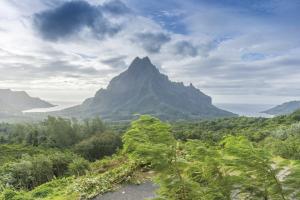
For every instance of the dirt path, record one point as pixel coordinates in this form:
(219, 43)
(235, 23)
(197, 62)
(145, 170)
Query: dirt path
(131, 192)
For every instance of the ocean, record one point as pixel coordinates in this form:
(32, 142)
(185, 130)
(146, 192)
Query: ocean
(249, 110)
(59, 105)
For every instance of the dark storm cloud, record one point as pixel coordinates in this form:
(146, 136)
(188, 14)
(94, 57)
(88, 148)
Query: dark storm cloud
(70, 18)
(115, 7)
(152, 42)
(185, 48)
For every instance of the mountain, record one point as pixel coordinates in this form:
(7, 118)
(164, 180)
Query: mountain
(285, 108)
(142, 89)
(18, 101)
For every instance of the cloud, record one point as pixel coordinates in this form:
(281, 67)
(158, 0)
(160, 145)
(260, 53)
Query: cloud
(253, 56)
(185, 48)
(115, 7)
(56, 67)
(151, 42)
(271, 76)
(169, 14)
(49, 69)
(70, 18)
(115, 62)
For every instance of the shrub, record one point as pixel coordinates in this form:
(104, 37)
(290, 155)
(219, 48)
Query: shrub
(8, 194)
(98, 146)
(78, 167)
(42, 192)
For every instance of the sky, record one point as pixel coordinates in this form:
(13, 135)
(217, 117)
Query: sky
(235, 51)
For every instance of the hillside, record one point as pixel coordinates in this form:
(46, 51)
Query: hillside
(18, 101)
(285, 108)
(142, 89)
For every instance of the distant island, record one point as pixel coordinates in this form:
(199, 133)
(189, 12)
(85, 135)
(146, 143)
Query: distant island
(14, 102)
(285, 108)
(142, 89)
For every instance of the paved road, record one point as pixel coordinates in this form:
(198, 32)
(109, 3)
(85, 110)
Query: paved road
(131, 192)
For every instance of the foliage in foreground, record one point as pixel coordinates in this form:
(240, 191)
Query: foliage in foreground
(103, 176)
(193, 170)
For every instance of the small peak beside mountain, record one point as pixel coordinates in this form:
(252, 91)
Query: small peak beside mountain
(17, 101)
(283, 109)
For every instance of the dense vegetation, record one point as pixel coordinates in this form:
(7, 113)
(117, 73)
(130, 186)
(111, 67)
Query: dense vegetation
(33, 154)
(91, 139)
(233, 158)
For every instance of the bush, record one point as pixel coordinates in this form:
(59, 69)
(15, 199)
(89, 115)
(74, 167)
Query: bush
(61, 162)
(78, 167)
(31, 171)
(42, 192)
(8, 194)
(98, 146)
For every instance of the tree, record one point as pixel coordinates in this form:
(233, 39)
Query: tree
(2, 139)
(150, 142)
(262, 177)
(32, 138)
(60, 131)
(60, 162)
(206, 167)
(99, 145)
(78, 167)
(94, 125)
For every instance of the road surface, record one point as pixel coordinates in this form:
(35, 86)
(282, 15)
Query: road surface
(131, 192)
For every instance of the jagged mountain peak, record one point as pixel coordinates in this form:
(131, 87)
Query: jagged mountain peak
(145, 60)
(142, 65)
(140, 71)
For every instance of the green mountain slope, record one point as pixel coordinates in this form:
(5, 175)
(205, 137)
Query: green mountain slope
(18, 101)
(142, 89)
(285, 108)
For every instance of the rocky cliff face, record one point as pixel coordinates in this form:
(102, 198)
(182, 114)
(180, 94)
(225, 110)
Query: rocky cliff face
(142, 89)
